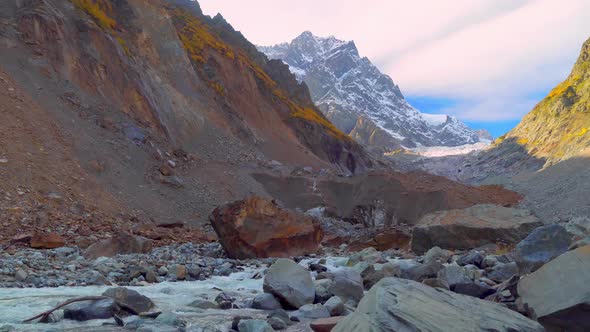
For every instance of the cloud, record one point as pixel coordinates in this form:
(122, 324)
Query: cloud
(490, 56)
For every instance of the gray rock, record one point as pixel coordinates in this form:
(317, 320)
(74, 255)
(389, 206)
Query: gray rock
(501, 272)
(276, 323)
(368, 255)
(131, 300)
(404, 305)
(472, 227)
(436, 283)
(266, 301)
(558, 294)
(203, 304)
(290, 283)
(347, 284)
(335, 306)
(473, 288)
(473, 257)
(312, 311)
(254, 325)
(454, 274)
(489, 261)
(171, 319)
(20, 275)
(541, 246)
(437, 254)
(371, 276)
(280, 314)
(83, 311)
(322, 293)
(422, 271)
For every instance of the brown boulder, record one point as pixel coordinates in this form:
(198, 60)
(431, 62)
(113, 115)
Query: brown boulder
(325, 324)
(47, 241)
(120, 244)
(257, 227)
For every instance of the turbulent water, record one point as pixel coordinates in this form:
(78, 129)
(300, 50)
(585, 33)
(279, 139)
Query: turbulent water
(17, 304)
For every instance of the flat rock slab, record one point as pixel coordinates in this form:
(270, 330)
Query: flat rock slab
(558, 293)
(472, 227)
(405, 305)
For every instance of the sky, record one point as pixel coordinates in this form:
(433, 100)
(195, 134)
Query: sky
(488, 62)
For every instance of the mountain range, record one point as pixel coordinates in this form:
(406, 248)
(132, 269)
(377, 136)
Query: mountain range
(362, 101)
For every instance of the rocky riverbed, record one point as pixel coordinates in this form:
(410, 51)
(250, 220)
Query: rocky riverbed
(310, 293)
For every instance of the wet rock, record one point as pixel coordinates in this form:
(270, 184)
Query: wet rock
(254, 325)
(203, 304)
(47, 241)
(53, 317)
(83, 311)
(489, 261)
(258, 227)
(501, 272)
(422, 271)
(404, 305)
(557, 294)
(311, 311)
(335, 306)
(347, 284)
(130, 300)
(317, 268)
(236, 321)
(541, 246)
(322, 292)
(178, 270)
(171, 319)
(151, 277)
(290, 283)
(266, 301)
(122, 243)
(325, 324)
(472, 227)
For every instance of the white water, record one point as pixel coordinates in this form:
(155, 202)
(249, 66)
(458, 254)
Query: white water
(17, 304)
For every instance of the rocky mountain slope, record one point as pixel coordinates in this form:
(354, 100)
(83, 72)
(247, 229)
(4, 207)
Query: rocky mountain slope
(362, 101)
(144, 116)
(558, 128)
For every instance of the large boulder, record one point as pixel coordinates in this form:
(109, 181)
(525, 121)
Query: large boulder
(257, 227)
(558, 293)
(404, 305)
(472, 227)
(290, 283)
(541, 246)
(130, 300)
(82, 311)
(347, 284)
(122, 243)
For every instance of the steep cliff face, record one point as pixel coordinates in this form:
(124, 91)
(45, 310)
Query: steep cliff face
(558, 127)
(175, 71)
(352, 92)
(164, 110)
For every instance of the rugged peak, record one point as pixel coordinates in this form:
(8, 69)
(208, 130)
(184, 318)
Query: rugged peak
(346, 86)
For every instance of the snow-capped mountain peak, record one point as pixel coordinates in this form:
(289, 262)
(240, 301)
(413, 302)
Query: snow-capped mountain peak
(362, 101)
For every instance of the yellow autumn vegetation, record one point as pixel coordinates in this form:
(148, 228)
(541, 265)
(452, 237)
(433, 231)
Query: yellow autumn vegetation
(197, 37)
(98, 10)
